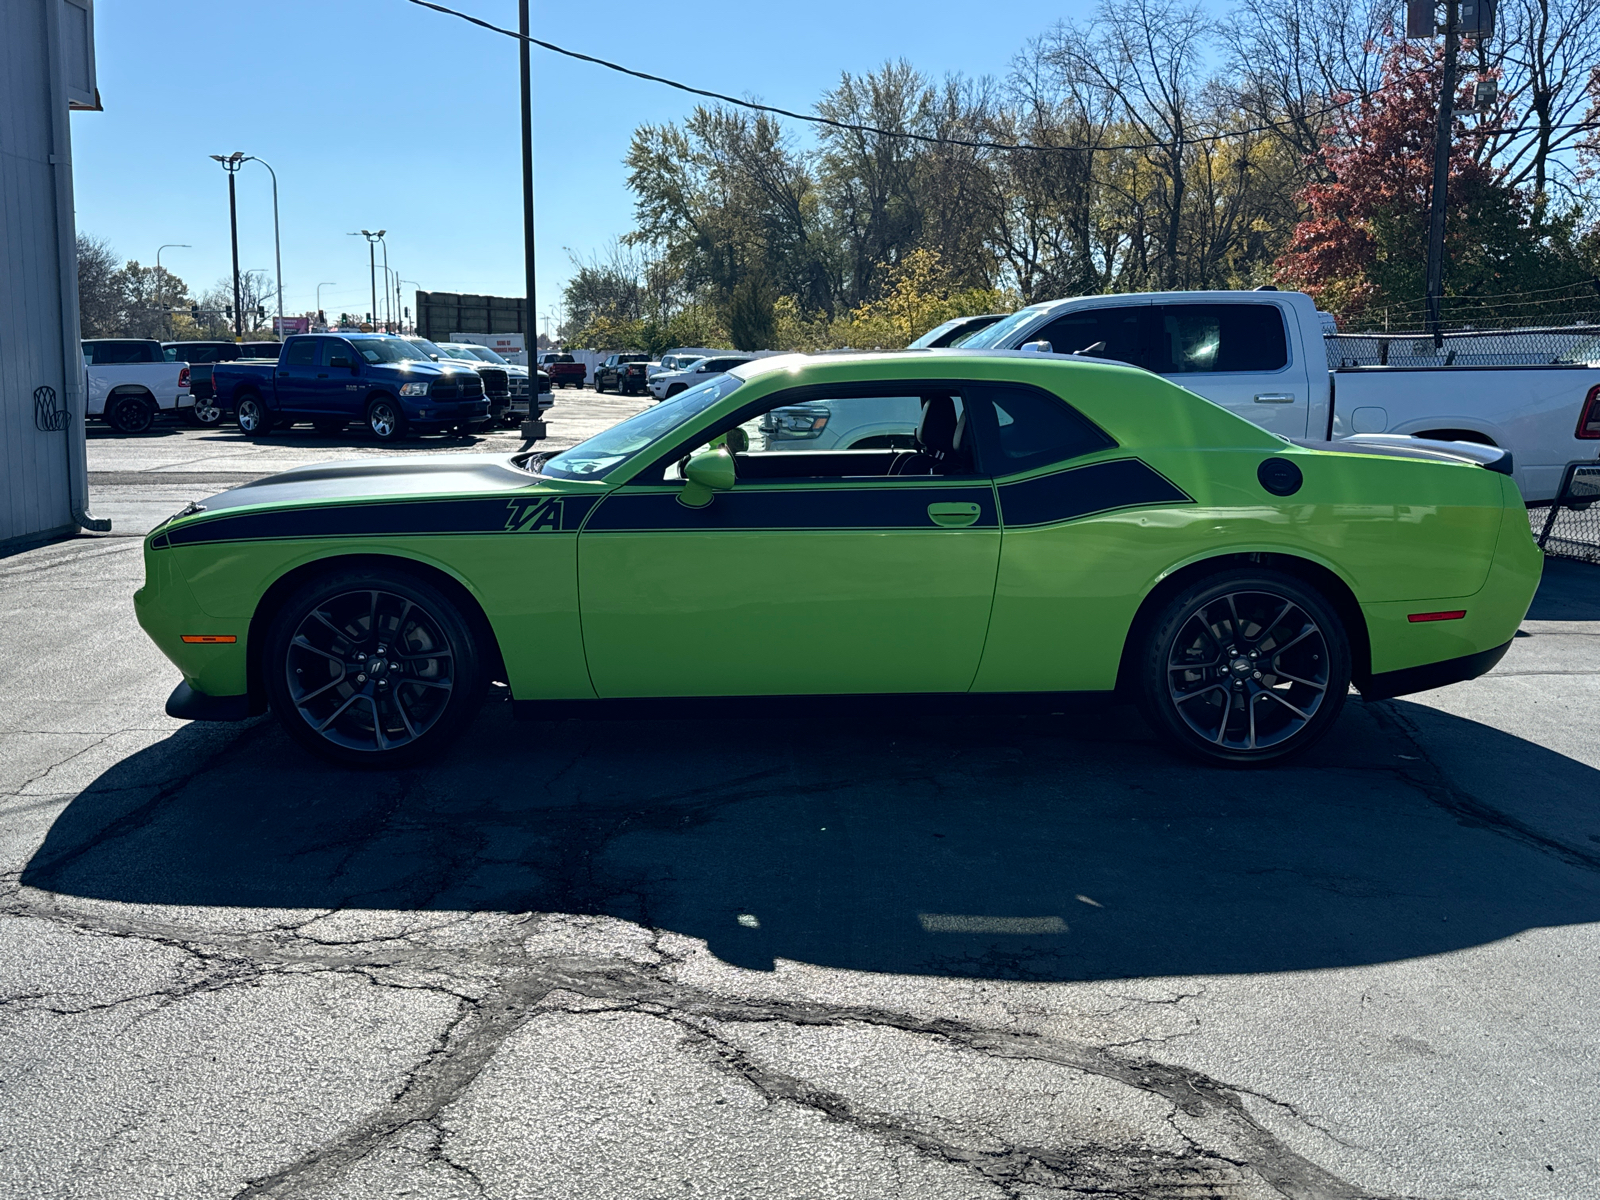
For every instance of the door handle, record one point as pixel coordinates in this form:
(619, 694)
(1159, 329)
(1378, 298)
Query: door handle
(1274, 397)
(953, 516)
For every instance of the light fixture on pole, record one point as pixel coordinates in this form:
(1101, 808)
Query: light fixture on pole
(231, 164)
(166, 317)
(277, 248)
(320, 286)
(372, 264)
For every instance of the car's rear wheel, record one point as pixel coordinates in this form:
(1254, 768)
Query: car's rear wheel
(373, 667)
(385, 420)
(1244, 667)
(130, 414)
(252, 416)
(205, 413)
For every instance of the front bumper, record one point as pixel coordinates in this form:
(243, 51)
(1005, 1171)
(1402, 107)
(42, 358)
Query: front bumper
(447, 412)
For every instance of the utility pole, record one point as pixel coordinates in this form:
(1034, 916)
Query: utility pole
(532, 428)
(231, 164)
(1439, 198)
(372, 265)
(277, 245)
(166, 303)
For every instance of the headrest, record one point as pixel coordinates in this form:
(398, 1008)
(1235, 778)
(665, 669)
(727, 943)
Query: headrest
(936, 432)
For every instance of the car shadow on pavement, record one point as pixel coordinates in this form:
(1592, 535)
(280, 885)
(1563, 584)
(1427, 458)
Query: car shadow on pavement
(1050, 848)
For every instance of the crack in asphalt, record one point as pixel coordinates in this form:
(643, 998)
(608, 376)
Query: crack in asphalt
(524, 986)
(1428, 776)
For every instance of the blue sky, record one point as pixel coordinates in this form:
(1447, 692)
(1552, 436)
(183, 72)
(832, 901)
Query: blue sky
(379, 114)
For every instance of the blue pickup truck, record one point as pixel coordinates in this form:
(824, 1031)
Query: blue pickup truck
(384, 383)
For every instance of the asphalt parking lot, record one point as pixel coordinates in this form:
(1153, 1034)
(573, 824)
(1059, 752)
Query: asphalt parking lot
(1001, 957)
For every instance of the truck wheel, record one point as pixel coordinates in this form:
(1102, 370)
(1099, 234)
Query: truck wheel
(130, 414)
(675, 389)
(252, 416)
(1245, 667)
(599, 385)
(385, 420)
(373, 667)
(205, 414)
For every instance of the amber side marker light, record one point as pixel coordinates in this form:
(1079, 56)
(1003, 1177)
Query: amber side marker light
(1454, 614)
(209, 639)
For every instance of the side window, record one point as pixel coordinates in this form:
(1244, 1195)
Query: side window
(333, 349)
(1121, 329)
(301, 353)
(1031, 428)
(1196, 338)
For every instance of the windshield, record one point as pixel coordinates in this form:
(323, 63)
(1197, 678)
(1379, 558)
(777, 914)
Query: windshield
(484, 354)
(598, 455)
(389, 349)
(427, 347)
(934, 334)
(997, 335)
(457, 352)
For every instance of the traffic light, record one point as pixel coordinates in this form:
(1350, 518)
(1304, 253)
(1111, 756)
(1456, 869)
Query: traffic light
(261, 312)
(228, 309)
(194, 313)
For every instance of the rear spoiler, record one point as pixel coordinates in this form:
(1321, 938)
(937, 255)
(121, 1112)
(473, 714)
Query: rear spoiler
(1398, 445)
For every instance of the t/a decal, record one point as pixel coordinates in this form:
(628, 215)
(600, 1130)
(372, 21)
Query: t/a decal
(533, 516)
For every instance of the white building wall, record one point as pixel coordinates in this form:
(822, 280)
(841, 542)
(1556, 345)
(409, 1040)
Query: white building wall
(43, 482)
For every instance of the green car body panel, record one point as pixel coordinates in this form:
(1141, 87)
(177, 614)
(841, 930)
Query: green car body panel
(603, 589)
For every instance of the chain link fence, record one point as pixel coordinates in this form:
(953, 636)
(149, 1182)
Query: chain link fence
(1566, 345)
(1569, 526)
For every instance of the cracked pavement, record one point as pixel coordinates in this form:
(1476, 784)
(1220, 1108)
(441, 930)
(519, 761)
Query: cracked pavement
(1009, 958)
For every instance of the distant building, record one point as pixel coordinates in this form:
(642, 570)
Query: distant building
(47, 52)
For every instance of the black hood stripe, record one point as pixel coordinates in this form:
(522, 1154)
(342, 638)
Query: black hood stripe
(404, 518)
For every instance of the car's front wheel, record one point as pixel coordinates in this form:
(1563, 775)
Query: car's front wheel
(599, 384)
(252, 415)
(373, 667)
(385, 420)
(1245, 667)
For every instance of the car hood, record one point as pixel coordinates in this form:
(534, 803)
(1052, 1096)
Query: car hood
(369, 478)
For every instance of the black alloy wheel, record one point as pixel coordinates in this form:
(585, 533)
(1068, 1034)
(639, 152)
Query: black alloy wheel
(253, 419)
(131, 414)
(1246, 667)
(206, 414)
(385, 420)
(373, 668)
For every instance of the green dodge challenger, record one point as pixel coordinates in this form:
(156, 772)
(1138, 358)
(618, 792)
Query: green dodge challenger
(1006, 528)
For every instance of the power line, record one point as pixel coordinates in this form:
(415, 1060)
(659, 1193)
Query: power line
(934, 139)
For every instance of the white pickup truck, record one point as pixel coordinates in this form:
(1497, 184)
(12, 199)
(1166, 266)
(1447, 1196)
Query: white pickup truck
(130, 382)
(1261, 354)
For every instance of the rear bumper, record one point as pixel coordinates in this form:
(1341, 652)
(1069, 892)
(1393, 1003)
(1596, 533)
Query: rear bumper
(1432, 675)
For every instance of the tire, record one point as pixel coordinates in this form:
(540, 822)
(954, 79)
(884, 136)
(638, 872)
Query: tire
(599, 385)
(251, 414)
(1245, 667)
(205, 414)
(320, 677)
(385, 421)
(130, 414)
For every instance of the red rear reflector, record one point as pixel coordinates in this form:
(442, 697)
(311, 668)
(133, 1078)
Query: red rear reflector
(1455, 614)
(1589, 418)
(212, 639)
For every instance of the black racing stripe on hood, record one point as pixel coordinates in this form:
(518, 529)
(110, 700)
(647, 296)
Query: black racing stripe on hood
(406, 518)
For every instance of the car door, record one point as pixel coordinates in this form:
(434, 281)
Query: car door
(1236, 354)
(815, 574)
(300, 391)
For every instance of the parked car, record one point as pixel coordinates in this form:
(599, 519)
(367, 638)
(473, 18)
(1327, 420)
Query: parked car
(496, 377)
(563, 369)
(681, 359)
(517, 409)
(1155, 547)
(625, 372)
(201, 357)
(954, 332)
(382, 381)
(669, 383)
(130, 383)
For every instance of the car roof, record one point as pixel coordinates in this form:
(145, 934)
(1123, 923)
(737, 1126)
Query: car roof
(924, 362)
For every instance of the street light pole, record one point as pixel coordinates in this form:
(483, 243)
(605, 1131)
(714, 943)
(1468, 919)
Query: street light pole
(320, 286)
(388, 323)
(372, 264)
(1438, 203)
(532, 428)
(231, 164)
(166, 317)
(277, 247)
(417, 285)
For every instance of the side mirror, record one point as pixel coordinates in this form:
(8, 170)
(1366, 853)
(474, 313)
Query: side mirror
(1038, 347)
(705, 474)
